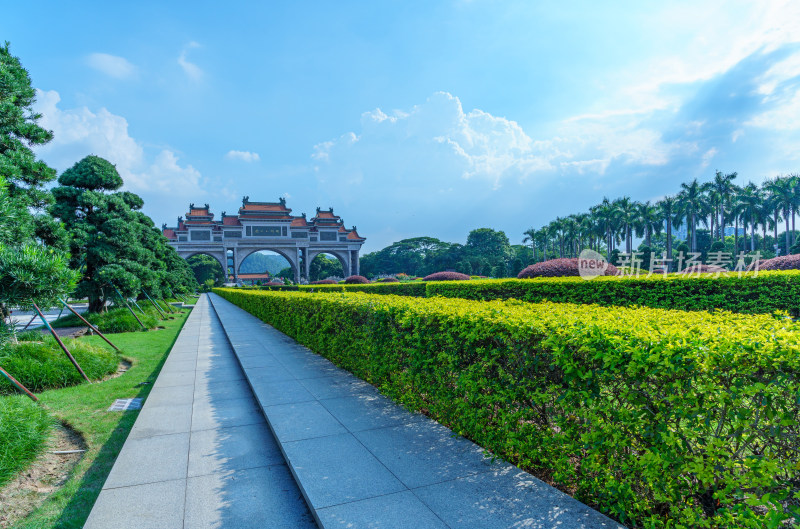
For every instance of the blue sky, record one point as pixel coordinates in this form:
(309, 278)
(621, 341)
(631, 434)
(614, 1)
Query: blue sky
(415, 118)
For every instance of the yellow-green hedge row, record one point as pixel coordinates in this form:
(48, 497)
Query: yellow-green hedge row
(762, 293)
(659, 418)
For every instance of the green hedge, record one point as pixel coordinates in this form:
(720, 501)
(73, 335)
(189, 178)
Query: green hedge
(659, 418)
(411, 288)
(763, 293)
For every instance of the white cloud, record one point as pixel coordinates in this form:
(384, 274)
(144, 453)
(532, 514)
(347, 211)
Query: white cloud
(111, 65)
(244, 156)
(79, 132)
(191, 69)
(476, 144)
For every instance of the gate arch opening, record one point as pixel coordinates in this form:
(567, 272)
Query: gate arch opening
(326, 265)
(263, 266)
(207, 266)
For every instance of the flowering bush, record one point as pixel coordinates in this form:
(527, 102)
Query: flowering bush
(559, 268)
(785, 262)
(323, 282)
(446, 276)
(356, 280)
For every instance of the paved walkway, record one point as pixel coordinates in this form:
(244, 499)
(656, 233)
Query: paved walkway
(200, 454)
(363, 462)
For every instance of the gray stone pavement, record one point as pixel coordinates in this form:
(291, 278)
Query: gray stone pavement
(363, 462)
(200, 454)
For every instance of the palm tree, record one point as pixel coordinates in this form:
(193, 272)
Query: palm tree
(530, 236)
(667, 208)
(692, 205)
(626, 211)
(749, 202)
(782, 196)
(648, 220)
(724, 189)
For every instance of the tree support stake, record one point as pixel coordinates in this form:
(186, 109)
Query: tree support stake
(163, 316)
(125, 304)
(64, 347)
(95, 329)
(18, 384)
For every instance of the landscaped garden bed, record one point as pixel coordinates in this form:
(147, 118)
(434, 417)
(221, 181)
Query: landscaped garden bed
(26, 427)
(659, 418)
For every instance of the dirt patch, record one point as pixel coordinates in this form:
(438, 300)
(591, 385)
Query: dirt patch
(67, 332)
(30, 488)
(124, 365)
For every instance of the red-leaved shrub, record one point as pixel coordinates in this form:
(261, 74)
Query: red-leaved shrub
(784, 262)
(323, 282)
(356, 280)
(273, 284)
(564, 267)
(446, 276)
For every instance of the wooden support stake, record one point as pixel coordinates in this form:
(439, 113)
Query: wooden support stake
(163, 316)
(18, 384)
(84, 320)
(63, 347)
(125, 304)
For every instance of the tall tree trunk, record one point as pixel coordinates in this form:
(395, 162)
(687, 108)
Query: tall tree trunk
(694, 232)
(736, 235)
(788, 243)
(669, 238)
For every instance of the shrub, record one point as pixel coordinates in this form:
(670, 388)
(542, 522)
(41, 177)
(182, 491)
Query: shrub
(388, 280)
(565, 267)
(446, 276)
(784, 262)
(703, 269)
(115, 320)
(761, 293)
(43, 365)
(406, 288)
(660, 418)
(323, 282)
(24, 428)
(356, 280)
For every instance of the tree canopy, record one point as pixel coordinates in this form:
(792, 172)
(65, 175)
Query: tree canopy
(114, 246)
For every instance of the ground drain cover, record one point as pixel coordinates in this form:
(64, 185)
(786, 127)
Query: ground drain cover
(126, 404)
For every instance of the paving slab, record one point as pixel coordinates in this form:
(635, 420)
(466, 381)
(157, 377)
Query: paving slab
(200, 454)
(361, 460)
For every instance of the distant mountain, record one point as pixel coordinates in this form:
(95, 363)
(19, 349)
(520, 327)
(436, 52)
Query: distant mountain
(258, 263)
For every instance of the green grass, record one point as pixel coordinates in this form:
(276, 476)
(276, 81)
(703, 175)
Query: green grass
(84, 409)
(41, 365)
(24, 428)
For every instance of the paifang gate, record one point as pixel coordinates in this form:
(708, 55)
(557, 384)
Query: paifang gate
(265, 226)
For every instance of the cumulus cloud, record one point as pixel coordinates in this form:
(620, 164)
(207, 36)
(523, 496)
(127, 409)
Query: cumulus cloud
(111, 65)
(473, 144)
(190, 69)
(244, 156)
(78, 132)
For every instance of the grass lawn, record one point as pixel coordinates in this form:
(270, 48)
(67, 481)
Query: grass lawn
(84, 409)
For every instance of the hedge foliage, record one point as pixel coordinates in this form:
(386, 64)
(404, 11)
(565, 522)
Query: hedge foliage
(761, 293)
(659, 418)
(409, 288)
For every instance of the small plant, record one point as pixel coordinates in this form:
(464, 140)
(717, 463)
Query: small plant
(446, 276)
(565, 267)
(356, 280)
